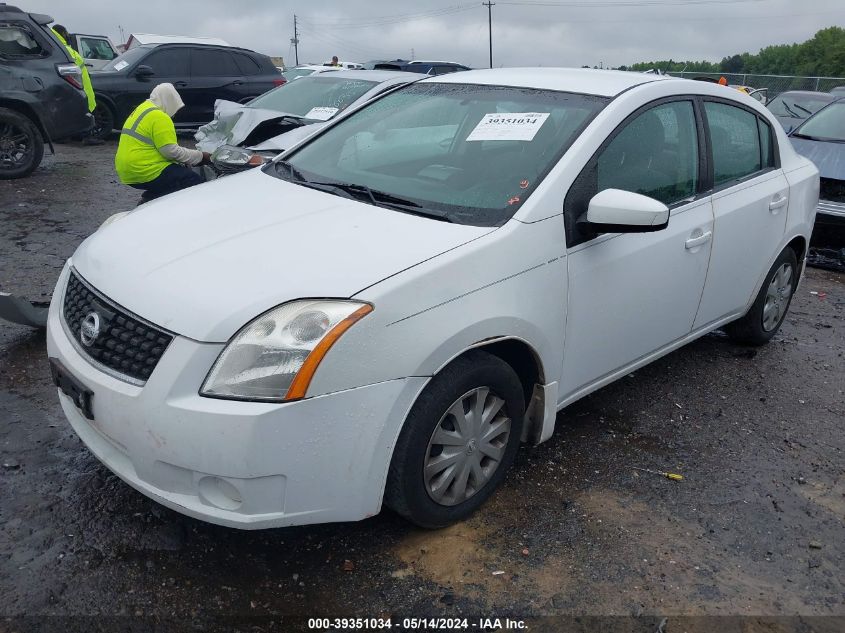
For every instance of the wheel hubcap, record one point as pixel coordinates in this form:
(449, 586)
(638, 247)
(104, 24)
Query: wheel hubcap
(777, 297)
(14, 146)
(466, 447)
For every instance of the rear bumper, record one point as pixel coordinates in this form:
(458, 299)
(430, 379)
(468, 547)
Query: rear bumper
(831, 209)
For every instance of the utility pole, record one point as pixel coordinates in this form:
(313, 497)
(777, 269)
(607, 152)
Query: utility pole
(295, 40)
(489, 6)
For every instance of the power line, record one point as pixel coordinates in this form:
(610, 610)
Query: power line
(603, 4)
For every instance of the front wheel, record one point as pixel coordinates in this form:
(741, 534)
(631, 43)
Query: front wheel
(767, 313)
(21, 145)
(458, 442)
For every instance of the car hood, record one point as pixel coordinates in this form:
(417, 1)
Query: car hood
(789, 123)
(233, 123)
(204, 261)
(828, 156)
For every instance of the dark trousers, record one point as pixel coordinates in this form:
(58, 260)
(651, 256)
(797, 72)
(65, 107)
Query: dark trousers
(173, 178)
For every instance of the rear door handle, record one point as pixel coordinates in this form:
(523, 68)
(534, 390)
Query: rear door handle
(699, 240)
(777, 203)
(180, 84)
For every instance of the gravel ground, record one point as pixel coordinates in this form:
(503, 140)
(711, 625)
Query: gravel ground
(755, 528)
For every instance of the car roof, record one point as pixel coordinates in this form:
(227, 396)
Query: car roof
(605, 83)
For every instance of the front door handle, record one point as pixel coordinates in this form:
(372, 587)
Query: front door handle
(180, 84)
(777, 203)
(698, 240)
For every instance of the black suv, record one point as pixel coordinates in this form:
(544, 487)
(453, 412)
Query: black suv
(200, 72)
(41, 95)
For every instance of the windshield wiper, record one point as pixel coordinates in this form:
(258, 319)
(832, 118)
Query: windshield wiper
(353, 191)
(792, 112)
(802, 108)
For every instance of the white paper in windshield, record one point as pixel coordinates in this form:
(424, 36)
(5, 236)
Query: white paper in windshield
(121, 65)
(508, 126)
(322, 113)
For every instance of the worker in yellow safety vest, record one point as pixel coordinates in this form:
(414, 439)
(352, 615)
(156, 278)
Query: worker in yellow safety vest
(61, 32)
(148, 155)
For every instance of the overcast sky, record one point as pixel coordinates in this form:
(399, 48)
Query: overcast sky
(528, 33)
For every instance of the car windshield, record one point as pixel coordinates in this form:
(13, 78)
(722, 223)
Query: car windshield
(316, 97)
(469, 154)
(798, 106)
(127, 59)
(826, 125)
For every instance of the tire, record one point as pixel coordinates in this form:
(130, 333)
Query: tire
(103, 121)
(437, 499)
(21, 145)
(769, 310)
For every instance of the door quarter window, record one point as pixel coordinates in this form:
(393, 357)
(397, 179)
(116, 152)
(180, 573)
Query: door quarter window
(735, 138)
(655, 153)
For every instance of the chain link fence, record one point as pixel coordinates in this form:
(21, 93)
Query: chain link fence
(775, 84)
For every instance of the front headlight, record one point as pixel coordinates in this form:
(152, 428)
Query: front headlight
(274, 357)
(229, 156)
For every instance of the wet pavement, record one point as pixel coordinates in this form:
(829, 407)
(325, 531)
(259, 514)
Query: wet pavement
(757, 527)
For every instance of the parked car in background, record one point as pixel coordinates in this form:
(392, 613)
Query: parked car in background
(424, 67)
(758, 94)
(41, 95)
(839, 91)
(141, 39)
(346, 65)
(97, 50)
(821, 138)
(244, 136)
(793, 107)
(201, 73)
(383, 314)
(306, 69)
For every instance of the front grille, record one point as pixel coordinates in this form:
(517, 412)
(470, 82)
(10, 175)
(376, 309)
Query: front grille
(832, 190)
(125, 344)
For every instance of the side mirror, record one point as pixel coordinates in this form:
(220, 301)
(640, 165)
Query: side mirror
(142, 72)
(617, 211)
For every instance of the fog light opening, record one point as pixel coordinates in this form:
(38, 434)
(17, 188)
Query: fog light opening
(219, 493)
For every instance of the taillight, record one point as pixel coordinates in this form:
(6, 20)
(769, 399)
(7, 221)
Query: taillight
(280, 82)
(71, 73)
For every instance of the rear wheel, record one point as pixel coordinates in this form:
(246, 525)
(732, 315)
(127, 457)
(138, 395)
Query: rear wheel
(767, 313)
(458, 442)
(21, 145)
(103, 121)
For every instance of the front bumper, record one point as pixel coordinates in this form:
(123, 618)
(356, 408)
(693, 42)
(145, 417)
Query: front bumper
(239, 464)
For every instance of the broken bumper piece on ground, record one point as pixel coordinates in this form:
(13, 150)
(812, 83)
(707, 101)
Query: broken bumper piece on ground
(19, 310)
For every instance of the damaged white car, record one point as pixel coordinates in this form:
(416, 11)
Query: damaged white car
(383, 314)
(243, 136)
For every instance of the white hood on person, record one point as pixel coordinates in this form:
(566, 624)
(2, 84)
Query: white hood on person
(166, 98)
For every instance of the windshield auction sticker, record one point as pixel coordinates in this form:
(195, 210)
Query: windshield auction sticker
(121, 65)
(321, 113)
(508, 126)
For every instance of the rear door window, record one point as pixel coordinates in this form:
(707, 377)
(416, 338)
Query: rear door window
(735, 138)
(212, 63)
(18, 42)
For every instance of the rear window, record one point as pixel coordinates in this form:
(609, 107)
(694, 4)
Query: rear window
(212, 63)
(18, 42)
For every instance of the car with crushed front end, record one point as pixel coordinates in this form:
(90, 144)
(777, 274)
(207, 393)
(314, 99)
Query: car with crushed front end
(821, 139)
(384, 313)
(243, 136)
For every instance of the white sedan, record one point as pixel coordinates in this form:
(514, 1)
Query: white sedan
(384, 313)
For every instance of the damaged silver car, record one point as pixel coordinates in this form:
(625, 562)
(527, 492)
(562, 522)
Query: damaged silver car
(243, 136)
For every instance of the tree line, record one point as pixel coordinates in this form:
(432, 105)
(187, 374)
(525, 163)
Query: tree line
(822, 55)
